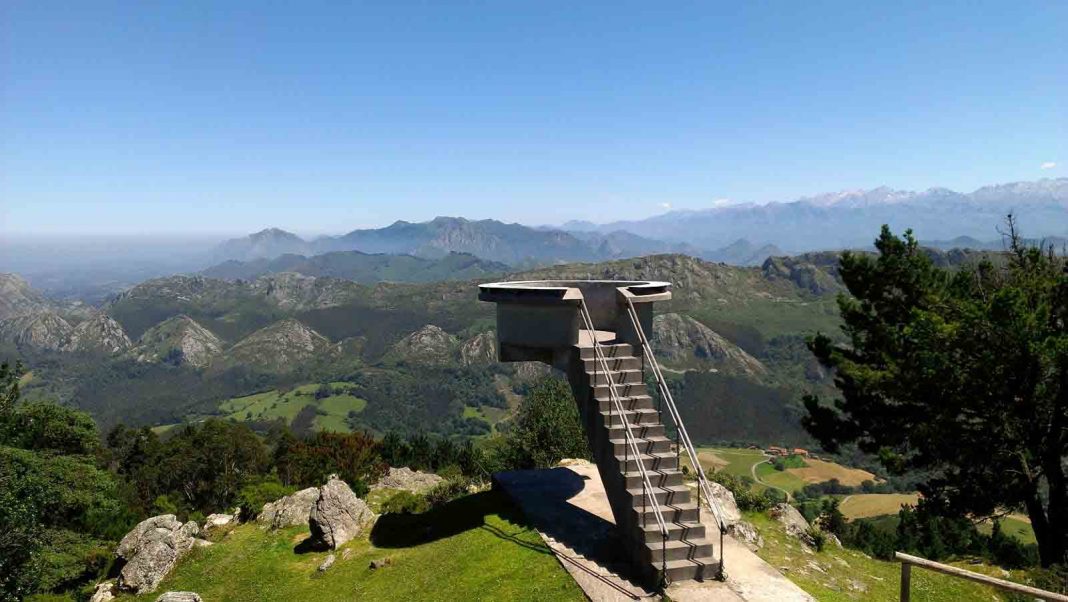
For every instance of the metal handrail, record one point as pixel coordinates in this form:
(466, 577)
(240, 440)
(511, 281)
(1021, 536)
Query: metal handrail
(631, 444)
(684, 437)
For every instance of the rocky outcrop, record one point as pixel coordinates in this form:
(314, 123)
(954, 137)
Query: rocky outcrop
(290, 511)
(804, 273)
(44, 330)
(18, 299)
(408, 480)
(99, 334)
(280, 347)
(796, 525)
(180, 341)
(338, 515)
(682, 340)
(179, 597)
(428, 345)
(290, 291)
(480, 349)
(738, 528)
(151, 550)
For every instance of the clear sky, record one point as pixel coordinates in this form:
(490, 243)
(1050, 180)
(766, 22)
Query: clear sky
(323, 117)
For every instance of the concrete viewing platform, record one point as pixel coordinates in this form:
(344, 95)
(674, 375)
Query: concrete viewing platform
(570, 509)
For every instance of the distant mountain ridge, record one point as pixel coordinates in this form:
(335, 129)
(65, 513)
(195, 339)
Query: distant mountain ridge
(363, 267)
(849, 219)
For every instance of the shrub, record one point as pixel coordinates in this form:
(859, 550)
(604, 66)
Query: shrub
(445, 492)
(405, 502)
(252, 497)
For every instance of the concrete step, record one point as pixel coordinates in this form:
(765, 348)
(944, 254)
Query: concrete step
(630, 402)
(651, 531)
(699, 550)
(641, 431)
(620, 377)
(601, 391)
(656, 479)
(646, 445)
(627, 362)
(639, 416)
(677, 494)
(659, 461)
(686, 570)
(609, 350)
(675, 513)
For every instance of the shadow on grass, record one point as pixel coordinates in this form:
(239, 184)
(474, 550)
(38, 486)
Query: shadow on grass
(452, 518)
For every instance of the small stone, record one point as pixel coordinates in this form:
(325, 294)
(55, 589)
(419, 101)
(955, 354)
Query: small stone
(329, 562)
(346, 554)
(214, 521)
(104, 592)
(202, 543)
(179, 597)
(380, 563)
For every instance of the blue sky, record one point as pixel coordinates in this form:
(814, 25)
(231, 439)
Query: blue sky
(226, 117)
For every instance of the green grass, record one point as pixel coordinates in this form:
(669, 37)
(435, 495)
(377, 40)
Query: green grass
(273, 404)
(739, 461)
(840, 574)
(782, 479)
(473, 548)
(1012, 526)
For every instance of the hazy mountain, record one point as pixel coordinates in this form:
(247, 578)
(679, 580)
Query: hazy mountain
(268, 244)
(363, 267)
(99, 334)
(489, 240)
(852, 219)
(743, 252)
(43, 330)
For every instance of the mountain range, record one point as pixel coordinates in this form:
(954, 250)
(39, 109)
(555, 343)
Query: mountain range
(851, 219)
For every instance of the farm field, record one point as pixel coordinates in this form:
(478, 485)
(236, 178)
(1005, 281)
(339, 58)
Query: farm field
(1013, 525)
(818, 471)
(867, 505)
(274, 404)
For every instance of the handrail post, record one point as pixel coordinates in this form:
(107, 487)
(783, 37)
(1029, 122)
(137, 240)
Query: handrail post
(906, 576)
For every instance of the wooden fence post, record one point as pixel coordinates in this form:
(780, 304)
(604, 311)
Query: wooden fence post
(906, 574)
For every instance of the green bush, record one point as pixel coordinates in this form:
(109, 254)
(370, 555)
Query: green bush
(252, 497)
(405, 502)
(742, 488)
(445, 492)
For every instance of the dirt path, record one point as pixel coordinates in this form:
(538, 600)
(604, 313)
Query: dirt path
(752, 469)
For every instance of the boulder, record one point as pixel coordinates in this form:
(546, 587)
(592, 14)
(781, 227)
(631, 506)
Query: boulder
(380, 563)
(290, 511)
(338, 515)
(407, 479)
(796, 525)
(214, 521)
(731, 513)
(104, 592)
(179, 597)
(151, 550)
(746, 533)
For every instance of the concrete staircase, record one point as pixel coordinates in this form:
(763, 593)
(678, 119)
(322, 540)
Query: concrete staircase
(687, 553)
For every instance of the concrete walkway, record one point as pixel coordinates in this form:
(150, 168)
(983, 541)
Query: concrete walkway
(569, 508)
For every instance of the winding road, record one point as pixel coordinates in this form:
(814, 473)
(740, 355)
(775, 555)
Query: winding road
(752, 469)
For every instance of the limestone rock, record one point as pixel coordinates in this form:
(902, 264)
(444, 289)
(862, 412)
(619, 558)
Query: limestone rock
(179, 340)
(731, 513)
(290, 511)
(746, 533)
(338, 515)
(214, 521)
(280, 347)
(480, 349)
(179, 597)
(380, 563)
(44, 330)
(99, 334)
(682, 340)
(327, 563)
(796, 525)
(151, 550)
(430, 345)
(104, 592)
(408, 480)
